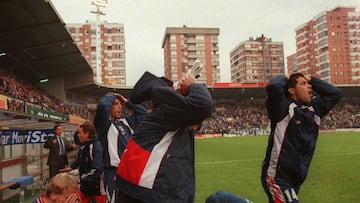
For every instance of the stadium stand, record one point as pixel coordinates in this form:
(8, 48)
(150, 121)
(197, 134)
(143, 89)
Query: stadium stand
(249, 118)
(21, 93)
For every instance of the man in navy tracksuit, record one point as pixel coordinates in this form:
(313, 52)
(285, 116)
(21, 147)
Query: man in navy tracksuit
(158, 163)
(114, 131)
(295, 115)
(90, 163)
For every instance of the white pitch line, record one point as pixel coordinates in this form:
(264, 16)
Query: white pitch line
(248, 160)
(338, 154)
(226, 162)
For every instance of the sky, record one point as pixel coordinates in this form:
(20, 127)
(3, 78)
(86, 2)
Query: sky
(145, 22)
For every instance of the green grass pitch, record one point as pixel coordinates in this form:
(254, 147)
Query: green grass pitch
(234, 164)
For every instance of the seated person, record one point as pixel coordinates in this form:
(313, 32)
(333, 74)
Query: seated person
(62, 188)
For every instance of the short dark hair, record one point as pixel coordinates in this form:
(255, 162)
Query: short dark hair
(89, 128)
(291, 83)
(57, 125)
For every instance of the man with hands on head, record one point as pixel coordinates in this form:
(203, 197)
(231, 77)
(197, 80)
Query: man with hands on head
(295, 114)
(113, 131)
(158, 163)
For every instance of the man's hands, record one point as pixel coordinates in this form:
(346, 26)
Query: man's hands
(73, 198)
(72, 146)
(185, 83)
(123, 100)
(67, 169)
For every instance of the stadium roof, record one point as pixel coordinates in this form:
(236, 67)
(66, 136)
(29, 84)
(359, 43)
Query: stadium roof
(219, 94)
(35, 41)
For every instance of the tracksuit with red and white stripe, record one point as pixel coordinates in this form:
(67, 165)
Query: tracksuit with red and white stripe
(294, 132)
(158, 163)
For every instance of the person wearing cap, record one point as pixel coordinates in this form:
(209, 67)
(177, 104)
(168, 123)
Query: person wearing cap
(158, 162)
(113, 131)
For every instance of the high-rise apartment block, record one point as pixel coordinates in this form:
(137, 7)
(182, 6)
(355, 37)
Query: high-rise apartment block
(291, 63)
(328, 46)
(103, 45)
(183, 45)
(256, 60)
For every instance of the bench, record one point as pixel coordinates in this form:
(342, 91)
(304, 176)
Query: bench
(38, 182)
(9, 185)
(22, 181)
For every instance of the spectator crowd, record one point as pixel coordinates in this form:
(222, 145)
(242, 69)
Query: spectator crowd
(247, 117)
(22, 92)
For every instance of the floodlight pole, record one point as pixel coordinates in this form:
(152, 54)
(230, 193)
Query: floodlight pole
(99, 5)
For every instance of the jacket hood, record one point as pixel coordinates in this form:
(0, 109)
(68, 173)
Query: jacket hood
(143, 87)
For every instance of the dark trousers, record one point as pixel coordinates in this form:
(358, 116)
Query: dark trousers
(54, 167)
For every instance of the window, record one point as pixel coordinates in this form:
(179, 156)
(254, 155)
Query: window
(199, 37)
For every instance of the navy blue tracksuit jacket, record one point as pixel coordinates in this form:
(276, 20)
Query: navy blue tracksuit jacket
(294, 131)
(158, 163)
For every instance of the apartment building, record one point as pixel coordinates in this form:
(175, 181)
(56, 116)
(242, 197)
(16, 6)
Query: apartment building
(183, 45)
(328, 46)
(103, 45)
(291, 64)
(256, 60)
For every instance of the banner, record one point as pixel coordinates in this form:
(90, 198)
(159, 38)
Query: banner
(207, 135)
(12, 137)
(3, 102)
(43, 113)
(76, 119)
